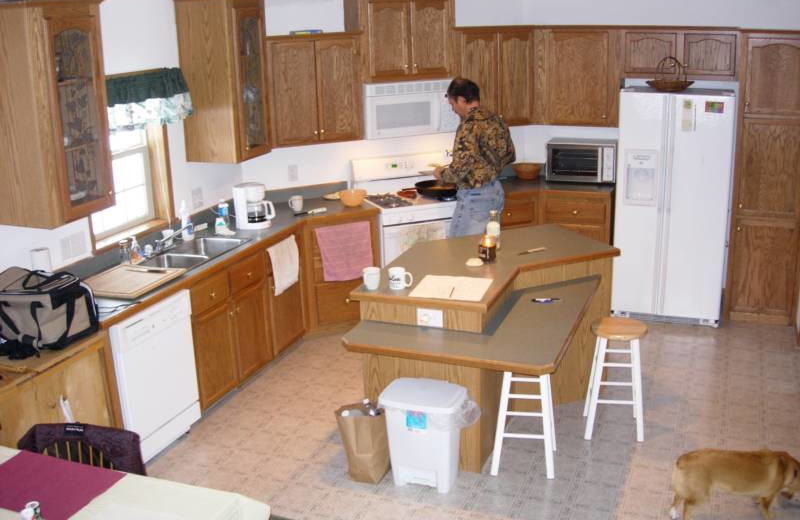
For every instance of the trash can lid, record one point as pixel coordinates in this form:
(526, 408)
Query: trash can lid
(423, 395)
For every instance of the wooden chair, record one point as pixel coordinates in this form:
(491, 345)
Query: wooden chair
(100, 446)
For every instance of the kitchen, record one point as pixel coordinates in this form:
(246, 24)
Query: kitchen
(154, 46)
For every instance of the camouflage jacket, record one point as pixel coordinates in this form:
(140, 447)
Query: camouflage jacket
(481, 149)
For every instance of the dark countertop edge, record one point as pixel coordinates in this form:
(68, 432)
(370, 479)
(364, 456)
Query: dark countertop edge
(516, 185)
(259, 241)
(471, 361)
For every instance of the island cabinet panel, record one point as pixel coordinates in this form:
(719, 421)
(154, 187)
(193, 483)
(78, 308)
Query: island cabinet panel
(585, 212)
(84, 378)
(55, 153)
(328, 302)
(772, 75)
(500, 61)
(582, 77)
(220, 43)
(315, 90)
(402, 39)
(230, 323)
(706, 54)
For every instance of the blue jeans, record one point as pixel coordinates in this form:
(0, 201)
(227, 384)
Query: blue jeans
(472, 208)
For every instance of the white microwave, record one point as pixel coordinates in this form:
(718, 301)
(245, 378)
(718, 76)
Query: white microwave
(407, 108)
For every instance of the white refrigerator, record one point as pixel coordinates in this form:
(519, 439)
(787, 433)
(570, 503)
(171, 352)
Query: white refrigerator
(674, 172)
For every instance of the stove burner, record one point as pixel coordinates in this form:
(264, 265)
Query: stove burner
(388, 200)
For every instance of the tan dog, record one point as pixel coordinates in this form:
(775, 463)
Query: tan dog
(760, 474)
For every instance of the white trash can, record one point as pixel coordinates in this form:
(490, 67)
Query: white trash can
(424, 418)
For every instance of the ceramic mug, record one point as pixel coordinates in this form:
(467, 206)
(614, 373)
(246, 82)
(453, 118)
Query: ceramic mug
(296, 203)
(372, 277)
(399, 278)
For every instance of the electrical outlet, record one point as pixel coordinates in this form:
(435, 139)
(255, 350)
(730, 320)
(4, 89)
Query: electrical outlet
(430, 318)
(197, 198)
(293, 173)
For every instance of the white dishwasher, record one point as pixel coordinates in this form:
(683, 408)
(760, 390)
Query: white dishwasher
(156, 377)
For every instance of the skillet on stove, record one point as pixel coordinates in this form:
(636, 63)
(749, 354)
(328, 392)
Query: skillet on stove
(435, 190)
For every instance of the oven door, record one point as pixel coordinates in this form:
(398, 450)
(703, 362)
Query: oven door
(397, 239)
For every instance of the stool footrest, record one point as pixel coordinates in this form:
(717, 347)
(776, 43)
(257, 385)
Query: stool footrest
(616, 383)
(613, 401)
(525, 379)
(525, 414)
(618, 365)
(524, 435)
(525, 396)
(618, 350)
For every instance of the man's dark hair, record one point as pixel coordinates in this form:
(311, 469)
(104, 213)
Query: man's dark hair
(465, 88)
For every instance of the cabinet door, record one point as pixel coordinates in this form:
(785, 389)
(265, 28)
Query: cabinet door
(215, 354)
(479, 62)
(516, 77)
(763, 267)
(645, 50)
(18, 413)
(577, 77)
(338, 89)
(80, 121)
(389, 39)
(710, 54)
(250, 324)
(251, 92)
(587, 214)
(769, 175)
(429, 37)
(518, 212)
(286, 312)
(773, 73)
(334, 304)
(293, 93)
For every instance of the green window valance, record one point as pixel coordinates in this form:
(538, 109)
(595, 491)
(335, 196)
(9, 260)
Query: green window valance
(157, 96)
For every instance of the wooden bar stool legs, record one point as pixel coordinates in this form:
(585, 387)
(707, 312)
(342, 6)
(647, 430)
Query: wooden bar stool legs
(548, 428)
(623, 329)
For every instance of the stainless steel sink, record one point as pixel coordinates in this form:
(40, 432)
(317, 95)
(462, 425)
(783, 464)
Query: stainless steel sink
(193, 253)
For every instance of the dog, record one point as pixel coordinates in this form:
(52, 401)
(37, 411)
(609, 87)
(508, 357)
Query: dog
(760, 474)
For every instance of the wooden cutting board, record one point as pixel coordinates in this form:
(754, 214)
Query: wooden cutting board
(128, 282)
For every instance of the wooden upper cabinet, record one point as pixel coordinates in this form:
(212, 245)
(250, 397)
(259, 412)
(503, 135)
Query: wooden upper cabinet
(582, 83)
(315, 92)
(706, 54)
(500, 61)
(773, 76)
(221, 44)
(402, 39)
(55, 155)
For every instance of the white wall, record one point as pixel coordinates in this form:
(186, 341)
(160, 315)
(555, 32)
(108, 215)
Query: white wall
(292, 15)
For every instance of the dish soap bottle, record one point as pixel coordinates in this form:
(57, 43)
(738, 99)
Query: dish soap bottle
(493, 227)
(136, 252)
(186, 223)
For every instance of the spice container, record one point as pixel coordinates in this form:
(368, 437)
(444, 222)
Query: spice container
(487, 248)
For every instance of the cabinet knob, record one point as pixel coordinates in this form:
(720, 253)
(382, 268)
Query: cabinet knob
(603, 116)
(322, 131)
(741, 206)
(405, 66)
(238, 309)
(747, 106)
(248, 147)
(347, 300)
(738, 228)
(249, 274)
(508, 214)
(110, 192)
(574, 211)
(212, 295)
(415, 65)
(232, 312)
(315, 132)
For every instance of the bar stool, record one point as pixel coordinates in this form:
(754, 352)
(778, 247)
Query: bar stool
(620, 329)
(548, 428)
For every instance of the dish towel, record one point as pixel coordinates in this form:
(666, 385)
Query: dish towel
(285, 261)
(346, 250)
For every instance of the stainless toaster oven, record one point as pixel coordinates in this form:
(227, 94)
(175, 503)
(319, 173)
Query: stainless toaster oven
(581, 160)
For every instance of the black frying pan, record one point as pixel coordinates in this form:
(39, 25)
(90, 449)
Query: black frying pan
(435, 190)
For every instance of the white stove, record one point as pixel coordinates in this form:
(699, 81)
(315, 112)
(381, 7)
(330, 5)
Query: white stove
(404, 221)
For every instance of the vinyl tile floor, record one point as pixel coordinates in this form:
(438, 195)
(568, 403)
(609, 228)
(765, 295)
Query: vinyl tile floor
(276, 439)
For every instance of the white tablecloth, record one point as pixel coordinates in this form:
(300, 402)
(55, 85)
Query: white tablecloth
(135, 497)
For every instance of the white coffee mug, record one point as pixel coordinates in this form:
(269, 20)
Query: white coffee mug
(372, 277)
(399, 278)
(296, 203)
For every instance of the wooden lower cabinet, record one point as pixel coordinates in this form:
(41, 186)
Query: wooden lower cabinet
(215, 354)
(82, 379)
(248, 309)
(288, 318)
(520, 209)
(588, 213)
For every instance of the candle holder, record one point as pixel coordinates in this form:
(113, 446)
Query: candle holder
(487, 248)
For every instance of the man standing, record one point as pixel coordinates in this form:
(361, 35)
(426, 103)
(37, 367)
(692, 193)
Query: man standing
(481, 149)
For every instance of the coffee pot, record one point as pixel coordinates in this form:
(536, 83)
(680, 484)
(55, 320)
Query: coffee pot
(252, 211)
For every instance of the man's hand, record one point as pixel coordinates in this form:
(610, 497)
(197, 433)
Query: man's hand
(437, 172)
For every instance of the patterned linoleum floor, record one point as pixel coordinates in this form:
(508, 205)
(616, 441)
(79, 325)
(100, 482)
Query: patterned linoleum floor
(736, 387)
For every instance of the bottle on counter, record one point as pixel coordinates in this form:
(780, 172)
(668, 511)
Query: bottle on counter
(186, 222)
(137, 255)
(124, 251)
(493, 227)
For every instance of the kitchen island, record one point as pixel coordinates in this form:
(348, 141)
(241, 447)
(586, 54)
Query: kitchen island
(480, 339)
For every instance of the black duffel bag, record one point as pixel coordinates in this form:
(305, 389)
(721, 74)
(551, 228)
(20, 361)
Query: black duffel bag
(41, 310)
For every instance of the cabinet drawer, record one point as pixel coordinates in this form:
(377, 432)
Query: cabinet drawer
(333, 305)
(209, 293)
(575, 211)
(517, 212)
(247, 272)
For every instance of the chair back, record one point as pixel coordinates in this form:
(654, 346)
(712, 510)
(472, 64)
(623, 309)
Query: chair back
(101, 446)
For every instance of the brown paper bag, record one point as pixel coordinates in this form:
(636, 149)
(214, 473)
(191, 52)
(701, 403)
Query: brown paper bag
(366, 444)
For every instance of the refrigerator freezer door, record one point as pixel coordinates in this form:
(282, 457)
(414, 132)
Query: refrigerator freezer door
(637, 209)
(697, 205)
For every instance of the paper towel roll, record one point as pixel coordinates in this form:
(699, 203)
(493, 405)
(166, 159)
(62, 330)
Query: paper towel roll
(40, 259)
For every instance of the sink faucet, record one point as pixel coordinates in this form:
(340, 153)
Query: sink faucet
(160, 242)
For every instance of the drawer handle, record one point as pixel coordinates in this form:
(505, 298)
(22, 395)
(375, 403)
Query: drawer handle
(315, 132)
(747, 106)
(212, 295)
(232, 312)
(347, 300)
(738, 228)
(508, 214)
(249, 274)
(741, 206)
(603, 116)
(574, 211)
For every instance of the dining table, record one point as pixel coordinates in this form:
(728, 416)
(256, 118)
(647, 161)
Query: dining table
(122, 497)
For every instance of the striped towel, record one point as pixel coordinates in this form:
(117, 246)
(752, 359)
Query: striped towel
(346, 250)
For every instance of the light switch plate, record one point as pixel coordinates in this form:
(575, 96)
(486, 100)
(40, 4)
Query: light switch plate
(430, 318)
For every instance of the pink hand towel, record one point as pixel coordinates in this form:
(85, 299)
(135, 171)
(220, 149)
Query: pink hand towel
(346, 250)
